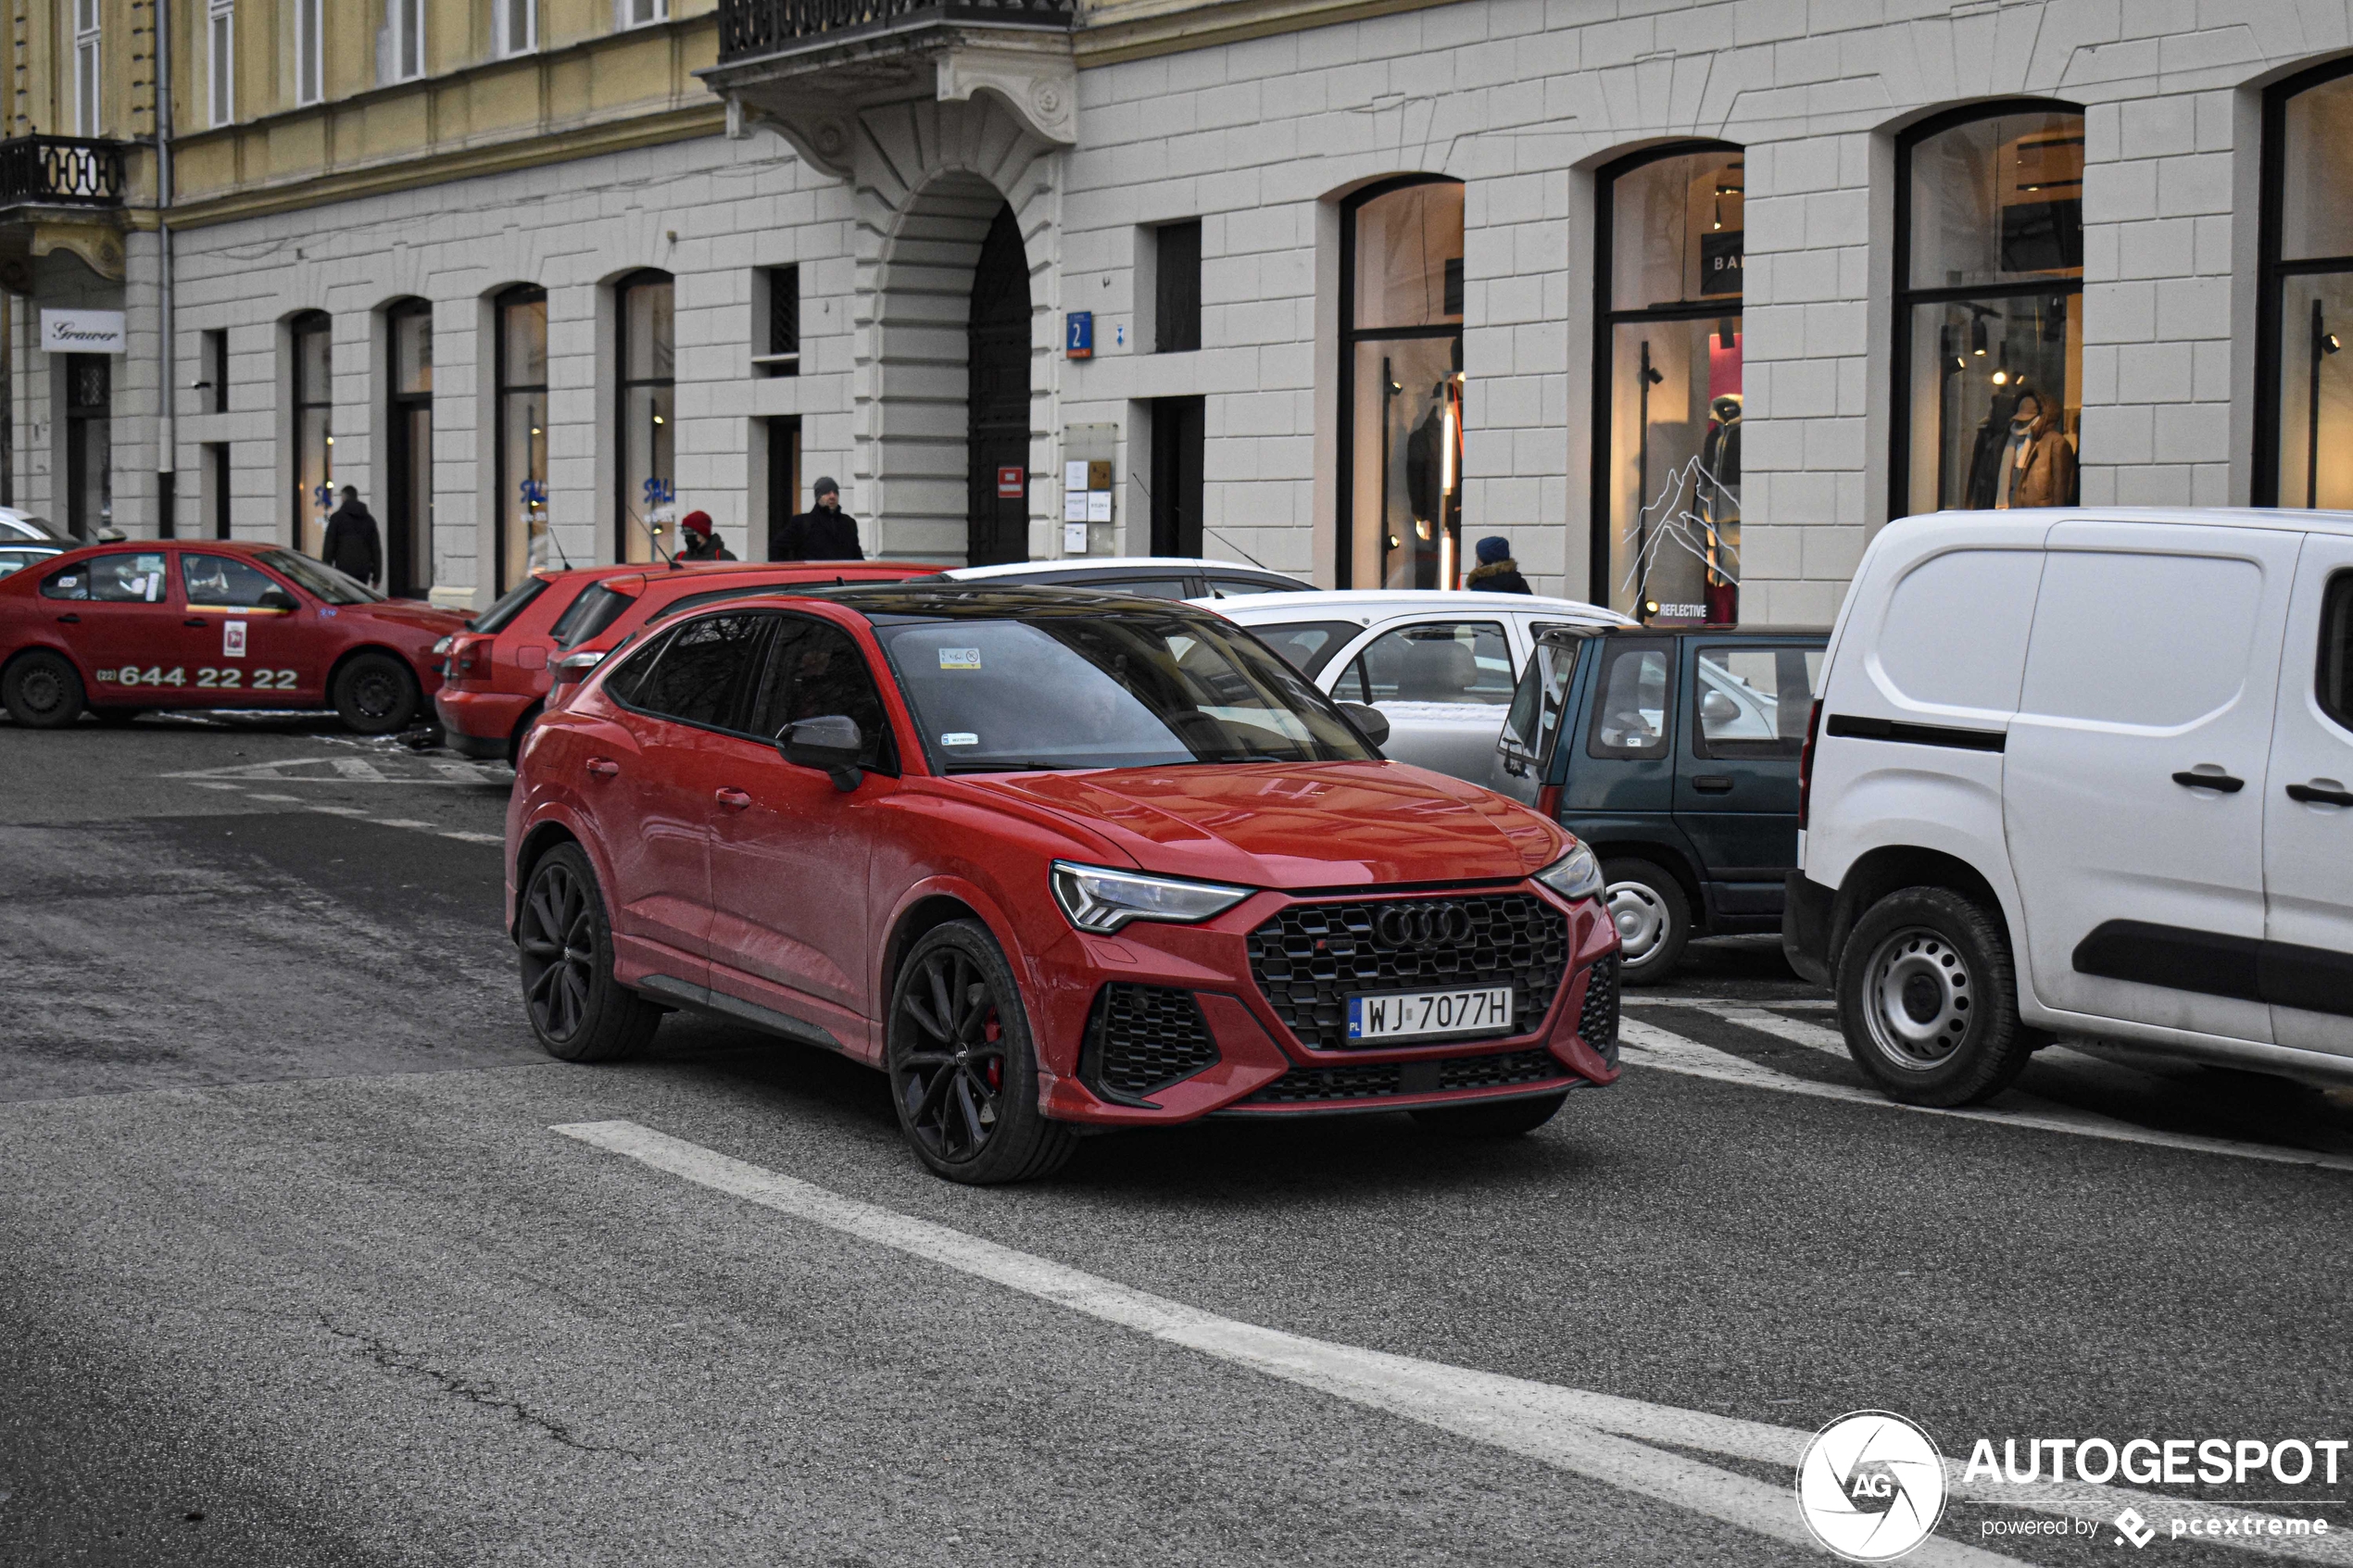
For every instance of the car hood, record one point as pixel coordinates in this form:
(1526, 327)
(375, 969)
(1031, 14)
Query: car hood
(1318, 824)
(414, 615)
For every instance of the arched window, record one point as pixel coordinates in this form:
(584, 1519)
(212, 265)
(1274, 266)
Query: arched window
(1989, 333)
(1400, 385)
(521, 487)
(408, 499)
(2304, 380)
(1671, 224)
(648, 417)
(308, 336)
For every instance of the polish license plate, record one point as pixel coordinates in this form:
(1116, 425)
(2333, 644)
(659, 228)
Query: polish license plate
(1412, 1015)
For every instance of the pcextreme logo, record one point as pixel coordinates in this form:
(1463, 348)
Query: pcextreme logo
(1871, 1487)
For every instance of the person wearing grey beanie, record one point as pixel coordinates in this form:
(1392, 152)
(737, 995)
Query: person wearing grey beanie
(822, 533)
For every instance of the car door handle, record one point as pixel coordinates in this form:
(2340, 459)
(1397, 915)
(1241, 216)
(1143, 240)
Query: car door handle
(603, 767)
(70, 619)
(195, 621)
(2221, 784)
(2320, 794)
(733, 799)
(1713, 784)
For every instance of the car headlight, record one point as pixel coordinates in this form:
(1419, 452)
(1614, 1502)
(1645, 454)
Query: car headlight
(1575, 875)
(1101, 900)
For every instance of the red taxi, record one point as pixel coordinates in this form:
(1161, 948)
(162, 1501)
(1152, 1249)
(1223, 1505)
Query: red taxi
(1048, 858)
(118, 629)
(497, 678)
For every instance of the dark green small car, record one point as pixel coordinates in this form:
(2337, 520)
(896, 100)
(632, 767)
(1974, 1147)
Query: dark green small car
(1674, 752)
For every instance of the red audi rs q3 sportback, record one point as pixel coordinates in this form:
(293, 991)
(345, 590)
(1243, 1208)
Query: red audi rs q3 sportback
(1049, 859)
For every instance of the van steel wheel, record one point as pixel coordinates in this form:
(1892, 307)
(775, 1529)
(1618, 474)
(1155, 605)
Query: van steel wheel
(375, 694)
(1652, 917)
(42, 690)
(578, 1010)
(1927, 1000)
(963, 1073)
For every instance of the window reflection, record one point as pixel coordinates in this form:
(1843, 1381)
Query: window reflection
(1402, 364)
(645, 507)
(2308, 313)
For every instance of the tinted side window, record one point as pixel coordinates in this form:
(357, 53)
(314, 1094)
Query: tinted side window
(72, 583)
(1533, 722)
(2335, 688)
(517, 599)
(126, 578)
(1246, 587)
(705, 673)
(1308, 646)
(637, 664)
(1458, 661)
(1753, 701)
(1148, 588)
(815, 670)
(1629, 714)
(596, 608)
(224, 581)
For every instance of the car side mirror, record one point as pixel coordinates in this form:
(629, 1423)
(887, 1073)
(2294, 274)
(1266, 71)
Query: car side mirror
(832, 745)
(1717, 709)
(275, 598)
(1370, 721)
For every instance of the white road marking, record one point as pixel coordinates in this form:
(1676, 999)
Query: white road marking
(358, 768)
(1646, 1044)
(235, 790)
(295, 799)
(339, 810)
(1797, 1032)
(465, 837)
(353, 770)
(1603, 1437)
(405, 823)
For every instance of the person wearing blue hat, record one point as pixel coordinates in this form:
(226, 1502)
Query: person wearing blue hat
(1496, 571)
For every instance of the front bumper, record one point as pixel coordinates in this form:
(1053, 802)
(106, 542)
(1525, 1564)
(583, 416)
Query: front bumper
(1217, 1045)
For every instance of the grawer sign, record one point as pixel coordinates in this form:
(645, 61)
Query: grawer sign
(82, 331)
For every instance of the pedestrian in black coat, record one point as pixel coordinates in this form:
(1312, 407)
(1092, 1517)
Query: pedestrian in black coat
(1496, 571)
(822, 533)
(353, 546)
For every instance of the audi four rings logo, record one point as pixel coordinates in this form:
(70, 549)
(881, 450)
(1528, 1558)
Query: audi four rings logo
(1422, 925)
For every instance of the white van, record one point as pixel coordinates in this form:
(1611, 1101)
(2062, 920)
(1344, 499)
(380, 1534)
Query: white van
(2084, 771)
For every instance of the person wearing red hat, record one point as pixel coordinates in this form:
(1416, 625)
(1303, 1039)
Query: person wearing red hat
(698, 542)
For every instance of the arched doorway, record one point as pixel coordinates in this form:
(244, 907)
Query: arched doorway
(997, 429)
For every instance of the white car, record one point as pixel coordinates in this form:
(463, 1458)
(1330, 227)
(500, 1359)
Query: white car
(1440, 665)
(2086, 772)
(1158, 577)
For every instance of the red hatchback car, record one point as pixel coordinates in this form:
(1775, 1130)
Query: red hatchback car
(497, 678)
(1049, 859)
(120, 628)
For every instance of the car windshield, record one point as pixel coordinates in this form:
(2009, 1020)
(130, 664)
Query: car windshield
(512, 603)
(1108, 689)
(323, 581)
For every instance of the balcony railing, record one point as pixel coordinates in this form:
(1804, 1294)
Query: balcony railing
(751, 28)
(69, 171)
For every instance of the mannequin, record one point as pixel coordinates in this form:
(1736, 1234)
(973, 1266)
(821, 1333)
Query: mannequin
(2037, 466)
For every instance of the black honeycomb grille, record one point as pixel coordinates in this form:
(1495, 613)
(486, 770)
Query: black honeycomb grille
(1379, 1081)
(1143, 1038)
(1310, 957)
(1597, 1021)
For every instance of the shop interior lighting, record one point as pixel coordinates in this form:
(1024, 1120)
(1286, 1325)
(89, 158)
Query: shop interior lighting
(1977, 337)
(2001, 370)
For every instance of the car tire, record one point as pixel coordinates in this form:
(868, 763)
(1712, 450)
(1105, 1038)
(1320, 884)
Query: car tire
(376, 695)
(962, 1065)
(564, 941)
(1509, 1119)
(1927, 1000)
(42, 690)
(1653, 919)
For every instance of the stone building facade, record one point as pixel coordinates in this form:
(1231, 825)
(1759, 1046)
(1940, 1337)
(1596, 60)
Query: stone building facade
(1685, 299)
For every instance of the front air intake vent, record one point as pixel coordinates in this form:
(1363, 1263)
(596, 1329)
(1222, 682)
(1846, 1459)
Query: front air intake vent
(1142, 1038)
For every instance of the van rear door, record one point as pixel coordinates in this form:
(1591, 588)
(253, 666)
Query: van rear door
(2134, 785)
(2308, 812)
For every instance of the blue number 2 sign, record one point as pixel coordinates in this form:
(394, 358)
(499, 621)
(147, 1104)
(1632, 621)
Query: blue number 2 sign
(1078, 334)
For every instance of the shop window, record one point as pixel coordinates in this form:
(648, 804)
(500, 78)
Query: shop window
(522, 484)
(1671, 224)
(1401, 375)
(89, 444)
(1989, 337)
(314, 435)
(2304, 378)
(648, 412)
(408, 470)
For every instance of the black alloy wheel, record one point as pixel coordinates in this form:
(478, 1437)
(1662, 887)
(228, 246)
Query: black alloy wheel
(963, 1074)
(578, 1010)
(42, 690)
(375, 694)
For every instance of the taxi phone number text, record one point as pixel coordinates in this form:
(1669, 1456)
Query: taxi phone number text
(220, 679)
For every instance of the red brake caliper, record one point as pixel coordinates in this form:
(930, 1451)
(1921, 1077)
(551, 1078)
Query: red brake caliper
(992, 1032)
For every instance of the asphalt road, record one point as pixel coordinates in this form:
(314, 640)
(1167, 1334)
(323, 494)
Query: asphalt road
(294, 1267)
